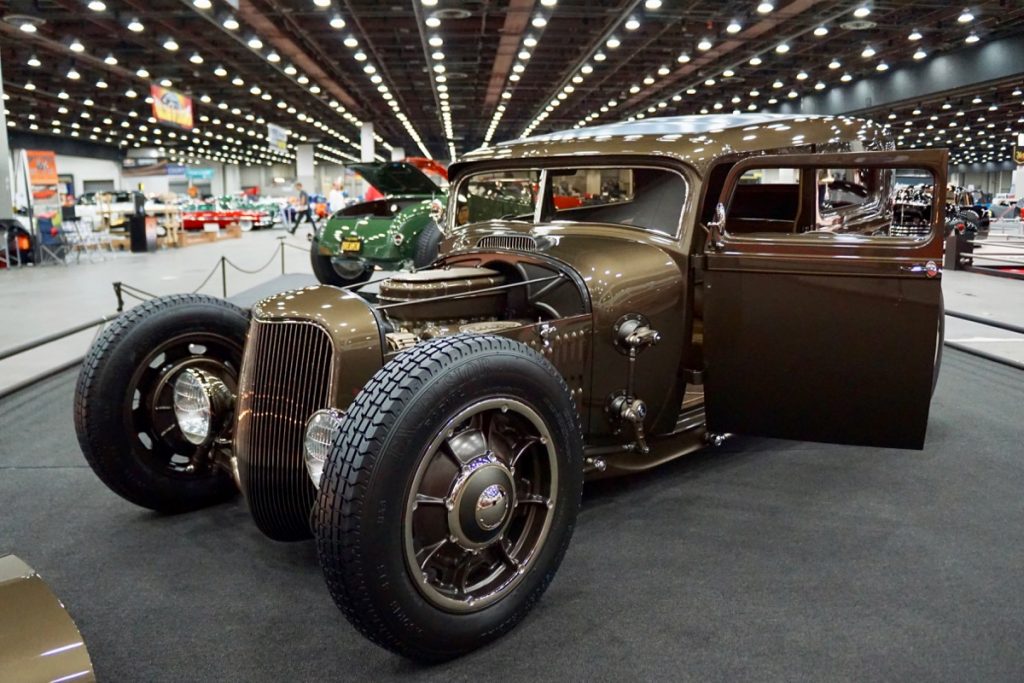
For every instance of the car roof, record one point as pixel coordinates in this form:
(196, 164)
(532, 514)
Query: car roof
(697, 140)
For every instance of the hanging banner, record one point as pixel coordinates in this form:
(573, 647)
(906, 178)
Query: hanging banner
(171, 107)
(203, 174)
(1018, 156)
(146, 166)
(42, 167)
(277, 137)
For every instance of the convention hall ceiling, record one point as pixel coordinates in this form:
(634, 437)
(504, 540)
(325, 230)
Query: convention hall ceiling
(441, 77)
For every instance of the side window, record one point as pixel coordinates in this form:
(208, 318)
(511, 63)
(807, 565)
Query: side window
(508, 195)
(765, 200)
(818, 201)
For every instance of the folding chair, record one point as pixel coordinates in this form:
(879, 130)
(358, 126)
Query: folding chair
(52, 243)
(101, 237)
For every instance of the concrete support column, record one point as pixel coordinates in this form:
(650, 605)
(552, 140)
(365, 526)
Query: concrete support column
(366, 142)
(232, 178)
(398, 154)
(6, 173)
(305, 170)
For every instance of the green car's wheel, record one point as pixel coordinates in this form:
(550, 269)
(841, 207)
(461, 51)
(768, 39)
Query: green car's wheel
(428, 244)
(450, 495)
(327, 274)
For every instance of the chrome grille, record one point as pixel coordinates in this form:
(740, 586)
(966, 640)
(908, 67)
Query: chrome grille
(286, 377)
(516, 242)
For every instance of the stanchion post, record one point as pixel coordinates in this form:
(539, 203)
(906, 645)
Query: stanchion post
(224, 276)
(280, 245)
(120, 299)
(951, 260)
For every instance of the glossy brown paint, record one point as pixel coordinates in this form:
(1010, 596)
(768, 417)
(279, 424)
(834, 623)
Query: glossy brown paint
(654, 278)
(824, 337)
(349, 321)
(623, 277)
(624, 271)
(38, 639)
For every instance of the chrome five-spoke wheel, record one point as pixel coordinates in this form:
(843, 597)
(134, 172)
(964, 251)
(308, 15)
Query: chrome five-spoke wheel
(450, 494)
(480, 505)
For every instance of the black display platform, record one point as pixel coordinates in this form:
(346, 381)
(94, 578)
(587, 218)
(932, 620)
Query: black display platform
(760, 560)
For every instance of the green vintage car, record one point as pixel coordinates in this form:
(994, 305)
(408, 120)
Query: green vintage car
(394, 231)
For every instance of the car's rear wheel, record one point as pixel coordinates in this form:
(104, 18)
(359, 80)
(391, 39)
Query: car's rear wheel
(124, 400)
(341, 276)
(450, 495)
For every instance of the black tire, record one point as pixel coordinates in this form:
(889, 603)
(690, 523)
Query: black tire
(210, 332)
(325, 272)
(360, 508)
(428, 245)
(971, 216)
(941, 334)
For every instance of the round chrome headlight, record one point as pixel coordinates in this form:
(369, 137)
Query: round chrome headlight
(192, 407)
(321, 430)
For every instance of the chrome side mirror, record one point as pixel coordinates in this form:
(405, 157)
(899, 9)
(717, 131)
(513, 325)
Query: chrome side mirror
(719, 221)
(716, 226)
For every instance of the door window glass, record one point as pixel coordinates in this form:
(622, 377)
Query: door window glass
(793, 202)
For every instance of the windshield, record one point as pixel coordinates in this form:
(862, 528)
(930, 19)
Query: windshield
(647, 198)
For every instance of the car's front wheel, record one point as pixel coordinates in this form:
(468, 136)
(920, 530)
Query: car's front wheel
(125, 414)
(450, 496)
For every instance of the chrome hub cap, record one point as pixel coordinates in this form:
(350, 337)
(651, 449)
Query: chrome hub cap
(491, 507)
(481, 504)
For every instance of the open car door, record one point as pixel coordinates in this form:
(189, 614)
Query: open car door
(822, 297)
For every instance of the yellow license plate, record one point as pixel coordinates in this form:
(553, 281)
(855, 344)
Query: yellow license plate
(348, 246)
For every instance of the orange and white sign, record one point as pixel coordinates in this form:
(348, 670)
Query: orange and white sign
(42, 167)
(170, 106)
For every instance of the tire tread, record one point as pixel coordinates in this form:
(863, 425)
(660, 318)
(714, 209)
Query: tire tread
(364, 433)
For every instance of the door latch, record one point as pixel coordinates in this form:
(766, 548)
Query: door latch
(930, 269)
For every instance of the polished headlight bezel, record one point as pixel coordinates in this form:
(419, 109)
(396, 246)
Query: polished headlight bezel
(193, 409)
(322, 428)
(209, 397)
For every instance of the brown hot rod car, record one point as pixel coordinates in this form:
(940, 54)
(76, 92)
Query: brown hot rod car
(730, 275)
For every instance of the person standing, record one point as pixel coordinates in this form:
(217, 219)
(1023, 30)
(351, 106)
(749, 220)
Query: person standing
(302, 209)
(336, 200)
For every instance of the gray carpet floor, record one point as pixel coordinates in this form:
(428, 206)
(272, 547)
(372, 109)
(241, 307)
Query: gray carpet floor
(759, 560)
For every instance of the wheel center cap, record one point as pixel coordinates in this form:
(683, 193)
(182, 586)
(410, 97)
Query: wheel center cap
(491, 507)
(482, 497)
